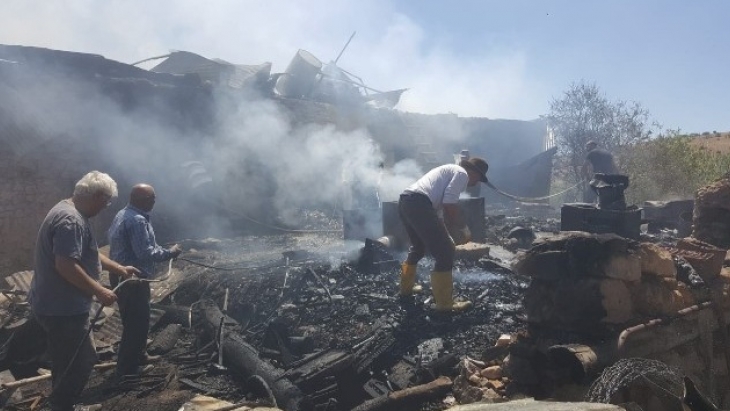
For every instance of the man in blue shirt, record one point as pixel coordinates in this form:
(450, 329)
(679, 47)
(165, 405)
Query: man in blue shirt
(132, 242)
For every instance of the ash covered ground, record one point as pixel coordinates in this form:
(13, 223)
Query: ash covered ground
(324, 294)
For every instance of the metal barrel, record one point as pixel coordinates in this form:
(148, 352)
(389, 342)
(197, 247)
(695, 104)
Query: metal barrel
(300, 76)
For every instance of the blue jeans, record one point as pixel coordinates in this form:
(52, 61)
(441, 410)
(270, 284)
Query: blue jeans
(64, 334)
(134, 308)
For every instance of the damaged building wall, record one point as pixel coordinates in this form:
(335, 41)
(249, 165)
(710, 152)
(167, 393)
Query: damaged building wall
(50, 136)
(55, 130)
(28, 189)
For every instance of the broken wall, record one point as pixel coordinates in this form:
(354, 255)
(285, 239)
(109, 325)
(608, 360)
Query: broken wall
(53, 130)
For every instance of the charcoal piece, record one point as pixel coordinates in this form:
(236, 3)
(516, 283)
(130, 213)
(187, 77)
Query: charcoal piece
(165, 340)
(687, 274)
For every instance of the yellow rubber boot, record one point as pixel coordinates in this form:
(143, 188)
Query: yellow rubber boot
(442, 285)
(408, 284)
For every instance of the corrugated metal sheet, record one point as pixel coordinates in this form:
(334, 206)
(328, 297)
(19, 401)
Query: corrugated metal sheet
(20, 281)
(216, 71)
(110, 331)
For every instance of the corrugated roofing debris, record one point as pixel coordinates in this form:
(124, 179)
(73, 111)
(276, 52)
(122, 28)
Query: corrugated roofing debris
(109, 326)
(216, 71)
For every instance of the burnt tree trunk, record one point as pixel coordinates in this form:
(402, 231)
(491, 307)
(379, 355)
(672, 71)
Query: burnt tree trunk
(243, 359)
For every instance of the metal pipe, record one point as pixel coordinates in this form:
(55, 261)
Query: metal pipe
(98, 314)
(626, 333)
(343, 49)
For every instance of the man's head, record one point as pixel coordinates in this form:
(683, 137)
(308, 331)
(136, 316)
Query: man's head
(94, 192)
(143, 197)
(477, 170)
(591, 145)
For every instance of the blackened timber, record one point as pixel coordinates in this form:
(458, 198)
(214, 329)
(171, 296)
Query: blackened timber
(314, 375)
(243, 359)
(373, 349)
(166, 339)
(408, 398)
(174, 314)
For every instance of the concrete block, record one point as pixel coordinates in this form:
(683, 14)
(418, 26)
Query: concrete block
(657, 261)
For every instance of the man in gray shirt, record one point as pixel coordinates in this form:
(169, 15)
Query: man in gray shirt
(66, 278)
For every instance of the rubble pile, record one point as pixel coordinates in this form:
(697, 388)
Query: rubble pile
(580, 283)
(319, 326)
(596, 298)
(711, 217)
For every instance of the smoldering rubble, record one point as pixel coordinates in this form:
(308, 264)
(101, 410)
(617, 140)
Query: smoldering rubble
(286, 294)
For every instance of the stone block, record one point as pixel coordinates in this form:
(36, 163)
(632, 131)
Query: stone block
(503, 340)
(579, 304)
(471, 251)
(578, 254)
(493, 373)
(657, 261)
(549, 264)
(616, 301)
(625, 267)
(655, 297)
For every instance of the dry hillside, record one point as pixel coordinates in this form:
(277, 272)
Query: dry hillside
(714, 141)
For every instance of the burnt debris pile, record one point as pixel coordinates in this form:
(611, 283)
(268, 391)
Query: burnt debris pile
(333, 326)
(711, 218)
(596, 298)
(299, 322)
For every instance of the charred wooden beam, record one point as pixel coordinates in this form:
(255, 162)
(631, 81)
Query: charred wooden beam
(165, 340)
(244, 359)
(408, 398)
(174, 314)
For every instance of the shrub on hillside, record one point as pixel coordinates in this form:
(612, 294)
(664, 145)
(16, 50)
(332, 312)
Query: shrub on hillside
(669, 167)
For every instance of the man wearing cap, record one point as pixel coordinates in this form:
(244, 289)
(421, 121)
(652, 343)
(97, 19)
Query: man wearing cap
(418, 207)
(597, 161)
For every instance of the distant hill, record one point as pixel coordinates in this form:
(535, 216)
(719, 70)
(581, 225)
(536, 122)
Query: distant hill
(713, 141)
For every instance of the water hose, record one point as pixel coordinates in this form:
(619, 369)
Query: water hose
(530, 199)
(96, 318)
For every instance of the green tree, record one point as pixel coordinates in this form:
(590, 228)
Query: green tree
(582, 114)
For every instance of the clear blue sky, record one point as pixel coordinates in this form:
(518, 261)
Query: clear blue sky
(496, 59)
(673, 56)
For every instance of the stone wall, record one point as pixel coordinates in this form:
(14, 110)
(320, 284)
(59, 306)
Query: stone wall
(30, 186)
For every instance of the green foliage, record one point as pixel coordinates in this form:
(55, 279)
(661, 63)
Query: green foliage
(584, 114)
(669, 167)
(663, 168)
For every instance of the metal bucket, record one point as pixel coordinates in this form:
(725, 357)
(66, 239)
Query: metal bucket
(300, 76)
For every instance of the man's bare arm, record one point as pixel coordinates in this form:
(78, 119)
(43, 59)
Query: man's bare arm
(116, 268)
(452, 216)
(72, 272)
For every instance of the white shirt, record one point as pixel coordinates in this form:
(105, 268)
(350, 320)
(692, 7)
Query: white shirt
(442, 185)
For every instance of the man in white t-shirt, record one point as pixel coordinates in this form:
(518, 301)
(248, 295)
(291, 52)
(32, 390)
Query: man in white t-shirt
(418, 207)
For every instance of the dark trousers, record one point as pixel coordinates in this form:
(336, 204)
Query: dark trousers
(64, 334)
(134, 308)
(426, 232)
(589, 196)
